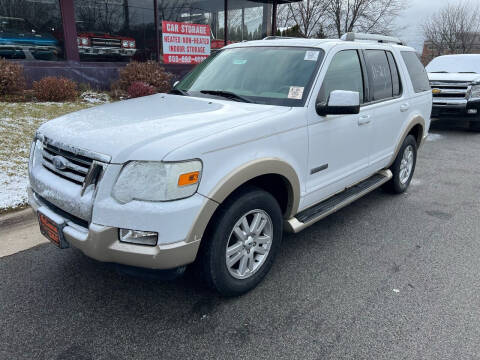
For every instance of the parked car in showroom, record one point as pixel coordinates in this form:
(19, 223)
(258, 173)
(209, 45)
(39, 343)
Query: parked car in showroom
(262, 136)
(20, 40)
(455, 82)
(95, 45)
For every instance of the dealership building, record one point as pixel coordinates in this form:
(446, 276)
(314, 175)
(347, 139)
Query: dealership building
(90, 40)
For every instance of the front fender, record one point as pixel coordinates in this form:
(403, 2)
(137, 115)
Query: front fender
(237, 178)
(256, 168)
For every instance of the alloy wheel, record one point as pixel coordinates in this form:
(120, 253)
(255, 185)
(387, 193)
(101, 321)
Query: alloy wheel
(249, 244)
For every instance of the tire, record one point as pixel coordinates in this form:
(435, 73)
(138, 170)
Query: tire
(474, 126)
(400, 181)
(247, 269)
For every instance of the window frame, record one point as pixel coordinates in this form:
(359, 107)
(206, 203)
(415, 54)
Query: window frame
(395, 65)
(371, 89)
(363, 71)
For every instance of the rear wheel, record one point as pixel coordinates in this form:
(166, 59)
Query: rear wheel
(242, 242)
(404, 166)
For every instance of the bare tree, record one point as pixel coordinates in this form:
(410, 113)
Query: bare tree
(337, 17)
(308, 15)
(284, 16)
(369, 16)
(453, 29)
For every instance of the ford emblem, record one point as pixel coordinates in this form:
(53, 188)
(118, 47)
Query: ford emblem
(60, 162)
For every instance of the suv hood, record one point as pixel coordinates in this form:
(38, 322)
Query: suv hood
(460, 77)
(122, 129)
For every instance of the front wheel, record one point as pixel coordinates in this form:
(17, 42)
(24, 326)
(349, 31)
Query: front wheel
(403, 166)
(242, 242)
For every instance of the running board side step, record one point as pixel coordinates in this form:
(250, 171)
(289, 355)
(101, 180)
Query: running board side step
(321, 210)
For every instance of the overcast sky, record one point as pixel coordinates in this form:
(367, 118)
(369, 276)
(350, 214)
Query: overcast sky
(414, 16)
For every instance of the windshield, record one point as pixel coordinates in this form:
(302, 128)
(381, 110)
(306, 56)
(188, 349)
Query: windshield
(262, 75)
(455, 64)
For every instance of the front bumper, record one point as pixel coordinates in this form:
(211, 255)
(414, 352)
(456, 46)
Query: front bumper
(102, 243)
(455, 109)
(106, 51)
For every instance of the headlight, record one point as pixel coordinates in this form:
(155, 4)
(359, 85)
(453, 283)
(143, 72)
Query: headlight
(157, 181)
(132, 44)
(84, 41)
(125, 43)
(475, 92)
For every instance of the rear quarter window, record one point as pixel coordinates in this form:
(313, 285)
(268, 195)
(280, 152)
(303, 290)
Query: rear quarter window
(418, 74)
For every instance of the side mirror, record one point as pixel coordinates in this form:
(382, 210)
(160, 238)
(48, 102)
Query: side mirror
(340, 102)
(176, 83)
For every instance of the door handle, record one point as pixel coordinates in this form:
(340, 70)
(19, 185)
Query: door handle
(364, 120)
(404, 107)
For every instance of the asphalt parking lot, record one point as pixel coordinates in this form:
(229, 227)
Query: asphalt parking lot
(389, 277)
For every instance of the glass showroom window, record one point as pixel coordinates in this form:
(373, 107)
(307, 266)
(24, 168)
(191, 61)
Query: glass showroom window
(205, 12)
(248, 20)
(115, 30)
(31, 30)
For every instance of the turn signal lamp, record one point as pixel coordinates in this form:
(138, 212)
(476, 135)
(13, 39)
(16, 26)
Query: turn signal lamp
(188, 178)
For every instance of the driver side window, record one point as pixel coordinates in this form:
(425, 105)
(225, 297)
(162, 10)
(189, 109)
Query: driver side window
(344, 73)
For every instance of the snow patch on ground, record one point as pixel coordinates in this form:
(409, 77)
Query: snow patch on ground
(14, 159)
(13, 191)
(92, 97)
(18, 123)
(434, 137)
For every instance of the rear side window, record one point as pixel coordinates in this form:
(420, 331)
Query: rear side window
(344, 73)
(417, 72)
(397, 84)
(379, 74)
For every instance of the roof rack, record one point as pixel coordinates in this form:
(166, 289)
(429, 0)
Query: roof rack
(278, 37)
(351, 36)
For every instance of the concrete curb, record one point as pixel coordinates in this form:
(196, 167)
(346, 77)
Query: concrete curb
(17, 217)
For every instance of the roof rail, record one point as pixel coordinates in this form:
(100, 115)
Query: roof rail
(278, 37)
(351, 36)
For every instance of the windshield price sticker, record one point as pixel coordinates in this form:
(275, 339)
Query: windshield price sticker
(185, 43)
(311, 55)
(296, 92)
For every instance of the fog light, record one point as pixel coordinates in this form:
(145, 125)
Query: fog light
(472, 111)
(138, 237)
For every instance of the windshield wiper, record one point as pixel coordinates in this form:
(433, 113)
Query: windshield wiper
(438, 72)
(226, 94)
(467, 72)
(179, 92)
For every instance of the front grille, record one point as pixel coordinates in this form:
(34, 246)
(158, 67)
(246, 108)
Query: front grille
(450, 90)
(67, 216)
(110, 43)
(447, 111)
(76, 166)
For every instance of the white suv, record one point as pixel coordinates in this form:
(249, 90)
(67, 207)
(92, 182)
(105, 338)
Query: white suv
(263, 136)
